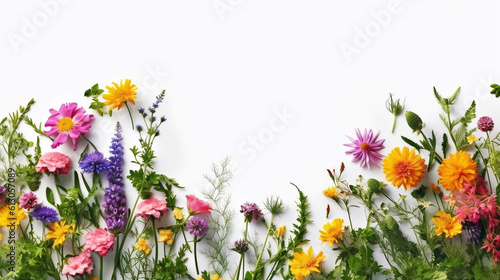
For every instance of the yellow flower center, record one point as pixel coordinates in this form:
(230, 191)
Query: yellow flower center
(403, 169)
(365, 146)
(65, 124)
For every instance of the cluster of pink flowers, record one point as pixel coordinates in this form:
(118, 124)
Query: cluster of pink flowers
(99, 241)
(475, 204)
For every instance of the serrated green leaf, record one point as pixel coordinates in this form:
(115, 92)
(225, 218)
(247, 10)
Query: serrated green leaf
(444, 144)
(470, 114)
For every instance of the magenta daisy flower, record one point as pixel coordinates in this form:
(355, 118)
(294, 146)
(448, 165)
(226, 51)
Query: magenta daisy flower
(68, 121)
(365, 148)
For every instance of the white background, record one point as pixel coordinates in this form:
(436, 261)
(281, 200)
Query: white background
(230, 68)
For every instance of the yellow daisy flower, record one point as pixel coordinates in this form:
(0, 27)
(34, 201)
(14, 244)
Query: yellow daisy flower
(456, 170)
(471, 139)
(404, 167)
(119, 94)
(332, 232)
(142, 245)
(178, 215)
(447, 224)
(216, 277)
(280, 231)
(11, 214)
(331, 192)
(166, 236)
(303, 264)
(58, 231)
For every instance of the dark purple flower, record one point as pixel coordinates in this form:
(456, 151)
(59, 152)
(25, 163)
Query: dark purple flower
(473, 232)
(197, 226)
(485, 124)
(115, 202)
(365, 148)
(45, 214)
(3, 194)
(27, 201)
(94, 162)
(251, 212)
(240, 246)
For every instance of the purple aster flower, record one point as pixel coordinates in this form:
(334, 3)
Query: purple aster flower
(27, 201)
(197, 226)
(251, 212)
(3, 194)
(485, 124)
(94, 162)
(45, 214)
(365, 148)
(473, 232)
(115, 202)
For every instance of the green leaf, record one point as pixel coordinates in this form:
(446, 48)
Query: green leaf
(50, 196)
(411, 143)
(470, 114)
(444, 144)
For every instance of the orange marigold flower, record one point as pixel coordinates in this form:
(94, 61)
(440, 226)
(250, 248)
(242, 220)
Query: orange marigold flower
(332, 232)
(331, 192)
(456, 170)
(303, 264)
(119, 94)
(451, 226)
(404, 167)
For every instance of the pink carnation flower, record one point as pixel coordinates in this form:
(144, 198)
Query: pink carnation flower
(68, 121)
(197, 206)
(54, 162)
(27, 201)
(151, 207)
(78, 264)
(99, 241)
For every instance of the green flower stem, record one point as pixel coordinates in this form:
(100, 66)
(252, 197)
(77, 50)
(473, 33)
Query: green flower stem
(448, 126)
(242, 255)
(90, 142)
(349, 215)
(195, 255)
(130, 114)
(156, 246)
(100, 268)
(263, 245)
(128, 227)
(394, 124)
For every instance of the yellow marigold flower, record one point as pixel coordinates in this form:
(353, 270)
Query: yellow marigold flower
(58, 231)
(11, 214)
(303, 264)
(178, 215)
(119, 94)
(456, 170)
(142, 245)
(435, 188)
(332, 232)
(280, 231)
(331, 192)
(166, 236)
(471, 139)
(404, 167)
(447, 224)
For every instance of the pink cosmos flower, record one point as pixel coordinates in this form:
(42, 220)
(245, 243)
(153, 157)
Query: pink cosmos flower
(68, 121)
(27, 201)
(197, 206)
(151, 207)
(99, 241)
(365, 148)
(54, 162)
(78, 264)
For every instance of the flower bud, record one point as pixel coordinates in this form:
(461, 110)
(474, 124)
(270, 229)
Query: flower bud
(391, 223)
(414, 121)
(374, 185)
